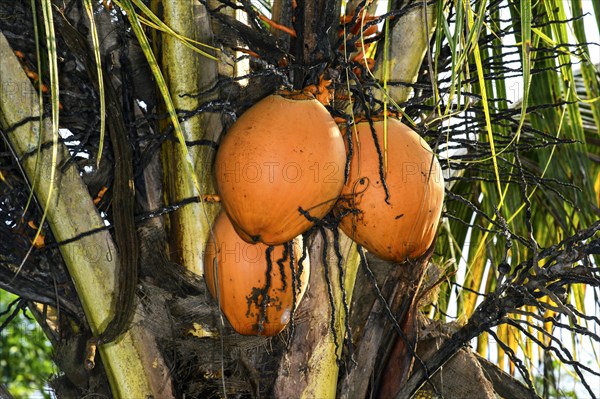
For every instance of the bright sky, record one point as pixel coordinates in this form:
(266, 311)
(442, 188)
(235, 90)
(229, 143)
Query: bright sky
(515, 85)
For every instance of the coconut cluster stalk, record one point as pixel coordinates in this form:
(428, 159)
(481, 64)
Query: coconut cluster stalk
(407, 47)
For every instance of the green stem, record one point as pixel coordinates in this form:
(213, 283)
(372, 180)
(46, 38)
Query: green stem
(91, 260)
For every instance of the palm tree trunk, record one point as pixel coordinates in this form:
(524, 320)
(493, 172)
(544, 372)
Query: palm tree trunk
(188, 73)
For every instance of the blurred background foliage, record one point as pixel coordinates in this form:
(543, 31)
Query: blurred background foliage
(25, 352)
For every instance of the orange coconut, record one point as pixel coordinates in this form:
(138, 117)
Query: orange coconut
(405, 227)
(241, 268)
(283, 154)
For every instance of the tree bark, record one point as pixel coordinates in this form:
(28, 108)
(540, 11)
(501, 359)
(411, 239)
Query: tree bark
(375, 336)
(309, 369)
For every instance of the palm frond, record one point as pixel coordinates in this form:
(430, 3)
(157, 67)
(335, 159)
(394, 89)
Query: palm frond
(524, 178)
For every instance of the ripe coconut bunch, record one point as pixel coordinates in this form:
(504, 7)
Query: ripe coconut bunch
(257, 287)
(279, 166)
(392, 212)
